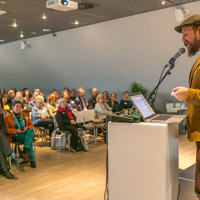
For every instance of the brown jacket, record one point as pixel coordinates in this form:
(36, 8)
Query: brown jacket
(193, 100)
(10, 125)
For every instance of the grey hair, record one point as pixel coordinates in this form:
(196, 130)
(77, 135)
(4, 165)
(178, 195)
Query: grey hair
(60, 101)
(39, 96)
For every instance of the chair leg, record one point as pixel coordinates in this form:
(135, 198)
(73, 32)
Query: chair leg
(95, 136)
(69, 142)
(42, 135)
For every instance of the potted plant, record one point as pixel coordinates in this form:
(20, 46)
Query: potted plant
(136, 87)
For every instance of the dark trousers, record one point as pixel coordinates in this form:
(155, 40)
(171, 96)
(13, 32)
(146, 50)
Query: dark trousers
(73, 130)
(197, 171)
(46, 123)
(5, 151)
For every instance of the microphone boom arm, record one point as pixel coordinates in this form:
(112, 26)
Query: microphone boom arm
(150, 99)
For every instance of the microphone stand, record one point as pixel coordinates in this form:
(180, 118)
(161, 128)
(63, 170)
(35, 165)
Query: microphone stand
(152, 99)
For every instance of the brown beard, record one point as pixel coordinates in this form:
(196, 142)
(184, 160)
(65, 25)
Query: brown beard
(193, 48)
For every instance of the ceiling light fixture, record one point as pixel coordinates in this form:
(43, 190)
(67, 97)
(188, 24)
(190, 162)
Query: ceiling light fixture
(44, 17)
(2, 40)
(46, 30)
(163, 2)
(33, 33)
(3, 2)
(21, 35)
(76, 22)
(14, 25)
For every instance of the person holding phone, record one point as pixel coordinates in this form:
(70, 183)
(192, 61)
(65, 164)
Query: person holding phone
(20, 128)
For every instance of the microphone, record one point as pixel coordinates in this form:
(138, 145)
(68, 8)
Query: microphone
(172, 60)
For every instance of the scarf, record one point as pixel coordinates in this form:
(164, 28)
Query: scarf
(67, 111)
(19, 122)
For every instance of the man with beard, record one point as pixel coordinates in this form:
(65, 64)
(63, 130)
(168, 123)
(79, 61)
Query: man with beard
(190, 29)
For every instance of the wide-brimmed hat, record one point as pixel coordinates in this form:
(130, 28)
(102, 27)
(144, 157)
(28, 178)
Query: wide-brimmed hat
(193, 20)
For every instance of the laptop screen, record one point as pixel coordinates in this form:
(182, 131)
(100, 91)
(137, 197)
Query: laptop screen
(142, 105)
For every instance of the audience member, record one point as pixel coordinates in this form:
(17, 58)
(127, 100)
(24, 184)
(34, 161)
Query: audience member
(81, 101)
(40, 116)
(11, 97)
(101, 107)
(31, 103)
(125, 103)
(14, 90)
(26, 96)
(106, 96)
(57, 94)
(5, 150)
(20, 128)
(72, 105)
(40, 93)
(92, 100)
(4, 104)
(18, 94)
(66, 89)
(52, 107)
(73, 94)
(2, 91)
(67, 121)
(114, 105)
(25, 107)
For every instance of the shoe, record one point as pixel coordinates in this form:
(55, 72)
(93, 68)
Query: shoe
(26, 152)
(7, 174)
(17, 161)
(72, 150)
(24, 158)
(33, 165)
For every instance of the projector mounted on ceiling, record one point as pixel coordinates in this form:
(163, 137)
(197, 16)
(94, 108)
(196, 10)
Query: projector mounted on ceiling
(62, 5)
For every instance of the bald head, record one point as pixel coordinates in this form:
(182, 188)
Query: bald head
(95, 92)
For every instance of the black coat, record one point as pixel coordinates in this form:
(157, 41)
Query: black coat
(63, 120)
(2, 124)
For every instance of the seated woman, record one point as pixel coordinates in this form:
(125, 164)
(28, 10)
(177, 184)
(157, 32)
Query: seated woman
(71, 103)
(101, 107)
(20, 128)
(67, 121)
(5, 150)
(125, 103)
(114, 105)
(26, 96)
(4, 104)
(105, 94)
(40, 116)
(52, 107)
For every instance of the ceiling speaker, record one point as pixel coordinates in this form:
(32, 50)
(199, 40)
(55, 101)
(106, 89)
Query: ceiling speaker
(179, 13)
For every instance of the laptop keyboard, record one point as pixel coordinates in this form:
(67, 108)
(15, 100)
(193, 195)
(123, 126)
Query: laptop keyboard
(162, 117)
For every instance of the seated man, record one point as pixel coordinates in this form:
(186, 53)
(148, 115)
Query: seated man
(81, 101)
(20, 128)
(31, 103)
(73, 94)
(25, 107)
(92, 100)
(5, 150)
(39, 92)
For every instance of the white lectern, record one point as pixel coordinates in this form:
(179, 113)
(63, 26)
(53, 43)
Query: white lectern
(143, 161)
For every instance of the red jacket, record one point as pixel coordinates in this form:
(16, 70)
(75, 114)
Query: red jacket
(10, 125)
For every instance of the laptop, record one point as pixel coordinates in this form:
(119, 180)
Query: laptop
(148, 113)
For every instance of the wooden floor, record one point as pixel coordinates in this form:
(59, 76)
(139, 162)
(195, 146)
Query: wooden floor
(70, 176)
(59, 175)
